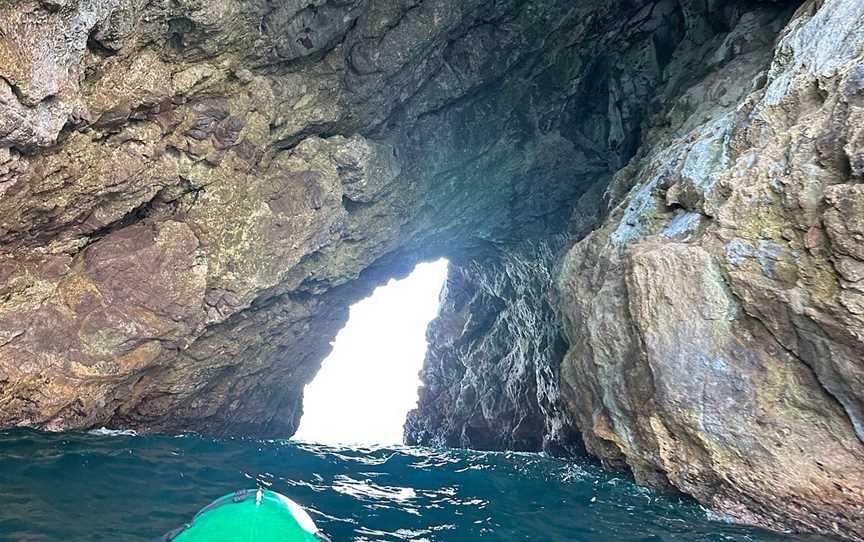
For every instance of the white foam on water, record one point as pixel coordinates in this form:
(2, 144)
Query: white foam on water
(105, 432)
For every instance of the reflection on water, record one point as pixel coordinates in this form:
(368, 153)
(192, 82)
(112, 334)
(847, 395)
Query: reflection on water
(92, 487)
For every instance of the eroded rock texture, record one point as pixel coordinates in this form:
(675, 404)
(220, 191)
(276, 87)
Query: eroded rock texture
(652, 211)
(491, 372)
(714, 341)
(194, 193)
(714, 332)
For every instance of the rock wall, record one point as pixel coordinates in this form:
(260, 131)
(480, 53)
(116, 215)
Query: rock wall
(194, 192)
(652, 212)
(491, 371)
(713, 320)
(487, 384)
(714, 337)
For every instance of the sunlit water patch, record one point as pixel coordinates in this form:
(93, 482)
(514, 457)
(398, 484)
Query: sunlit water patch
(108, 486)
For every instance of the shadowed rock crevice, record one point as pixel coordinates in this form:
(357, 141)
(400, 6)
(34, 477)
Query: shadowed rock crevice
(652, 210)
(491, 373)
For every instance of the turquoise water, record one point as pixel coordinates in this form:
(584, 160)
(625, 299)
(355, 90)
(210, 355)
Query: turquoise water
(87, 487)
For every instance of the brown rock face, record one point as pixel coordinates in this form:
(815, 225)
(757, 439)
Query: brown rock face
(653, 212)
(715, 340)
(193, 194)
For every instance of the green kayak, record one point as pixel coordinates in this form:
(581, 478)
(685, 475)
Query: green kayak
(249, 515)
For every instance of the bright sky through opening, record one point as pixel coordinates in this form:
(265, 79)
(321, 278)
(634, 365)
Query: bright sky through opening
(370, 380)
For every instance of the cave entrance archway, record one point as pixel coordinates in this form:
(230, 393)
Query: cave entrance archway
(369, 382)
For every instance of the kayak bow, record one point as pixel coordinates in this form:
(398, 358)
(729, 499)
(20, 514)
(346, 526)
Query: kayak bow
(249, 515)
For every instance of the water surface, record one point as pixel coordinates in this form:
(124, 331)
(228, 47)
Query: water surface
(90, 487)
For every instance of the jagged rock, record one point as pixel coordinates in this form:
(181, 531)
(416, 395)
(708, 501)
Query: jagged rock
(714, 332)
(652, 212)
(491, 373)
(294, 172)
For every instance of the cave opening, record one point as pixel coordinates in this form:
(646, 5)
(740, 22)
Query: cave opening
(369, 382)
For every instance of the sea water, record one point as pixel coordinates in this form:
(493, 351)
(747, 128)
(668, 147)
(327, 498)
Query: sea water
(124, 487)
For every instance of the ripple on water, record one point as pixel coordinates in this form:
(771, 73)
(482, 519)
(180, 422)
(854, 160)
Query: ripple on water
(109, 485)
